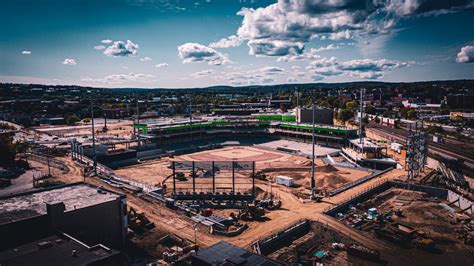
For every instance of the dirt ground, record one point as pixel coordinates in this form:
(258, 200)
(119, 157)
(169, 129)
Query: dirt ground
(424, 214)
(271, 163)
(294, 209)
(151, 172)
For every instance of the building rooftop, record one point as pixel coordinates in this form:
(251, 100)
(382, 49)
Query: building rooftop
(224, 253)
(366, 143)
(33, 203)
(55, 250)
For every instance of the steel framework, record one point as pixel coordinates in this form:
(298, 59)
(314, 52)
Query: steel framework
(417, 150)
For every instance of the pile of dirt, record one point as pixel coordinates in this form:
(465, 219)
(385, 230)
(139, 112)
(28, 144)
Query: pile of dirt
(326, 169)
(331, 181)
(260, 194)
(303, 163)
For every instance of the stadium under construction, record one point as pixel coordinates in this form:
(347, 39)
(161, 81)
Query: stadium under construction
(278, 126)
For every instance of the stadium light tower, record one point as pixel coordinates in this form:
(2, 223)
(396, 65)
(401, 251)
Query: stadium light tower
(297, 106)
(190, 109)
(94, 155)
(313, 156)
(138, 126)
(362, 91)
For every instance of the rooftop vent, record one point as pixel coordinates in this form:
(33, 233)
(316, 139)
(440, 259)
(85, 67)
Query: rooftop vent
(45, 244)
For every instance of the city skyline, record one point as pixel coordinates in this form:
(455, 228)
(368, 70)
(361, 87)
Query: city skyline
(178, 44)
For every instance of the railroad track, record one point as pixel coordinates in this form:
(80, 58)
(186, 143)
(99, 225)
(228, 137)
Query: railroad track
(443, 150)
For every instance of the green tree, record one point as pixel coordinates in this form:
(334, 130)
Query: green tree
(345, 115)
(7, 151)
(72, 119)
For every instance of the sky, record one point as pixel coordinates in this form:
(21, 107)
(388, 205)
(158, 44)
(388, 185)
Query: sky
(199, 43)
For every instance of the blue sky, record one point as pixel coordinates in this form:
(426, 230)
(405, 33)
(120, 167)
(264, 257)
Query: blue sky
(171, 43)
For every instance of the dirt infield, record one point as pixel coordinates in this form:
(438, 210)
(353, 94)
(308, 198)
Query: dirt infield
(238, 153)
(271, 163)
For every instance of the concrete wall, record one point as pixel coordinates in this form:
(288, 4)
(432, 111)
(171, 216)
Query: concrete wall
(21, 232)
(432, 191)
(102, 223)
(99, 224)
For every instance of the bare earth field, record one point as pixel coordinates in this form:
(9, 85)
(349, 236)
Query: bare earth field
(270, 163)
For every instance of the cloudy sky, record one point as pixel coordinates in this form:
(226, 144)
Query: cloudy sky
(180, 43)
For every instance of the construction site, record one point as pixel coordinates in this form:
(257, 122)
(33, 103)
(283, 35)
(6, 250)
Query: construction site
(268, 191)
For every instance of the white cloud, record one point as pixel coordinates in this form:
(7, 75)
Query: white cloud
(324, 48)
(146, 58)
(323, 62)
(161, 65)
(466, 55)
(358, 68)
(346, 34)
(409, 8)
(231, 41)
(271, 70)
(107, 41)
(99, 47)
(195, 52)
(26, 52)
(202, 73)
(267, 47)
(366, 75)
(120, 48)
(120, 78)
(371, 65)
(291, 79)
(69, 61)
(284, 27)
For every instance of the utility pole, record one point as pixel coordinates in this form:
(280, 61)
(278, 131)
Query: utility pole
(190, 109)
(312, 158)
(360, 118)
(138, 126)
(49, 165)
(298, 111)
(94, 156)
(195, 232)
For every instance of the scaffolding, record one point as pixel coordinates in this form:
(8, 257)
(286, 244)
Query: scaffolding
(207, 179)
(417, 150)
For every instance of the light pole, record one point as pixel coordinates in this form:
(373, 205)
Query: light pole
(94, 156)
(312, 156)
(138, 126)
(195, 227)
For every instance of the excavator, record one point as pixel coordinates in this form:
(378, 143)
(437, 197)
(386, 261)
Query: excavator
(252, 213)
(138, 222)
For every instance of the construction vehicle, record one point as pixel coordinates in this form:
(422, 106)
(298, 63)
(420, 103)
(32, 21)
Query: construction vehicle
(138, 222)
(424, 243)
(270, 204)
(181, 177)
(252, 213)
(260, 175)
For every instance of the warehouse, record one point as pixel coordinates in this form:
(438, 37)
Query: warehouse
(90, 214)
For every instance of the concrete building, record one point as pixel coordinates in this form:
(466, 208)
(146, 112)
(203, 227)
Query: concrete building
(60, 249)
(90, 214)
(224, 253)
(321, 115)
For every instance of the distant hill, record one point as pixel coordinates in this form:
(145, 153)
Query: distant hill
(467, 83)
